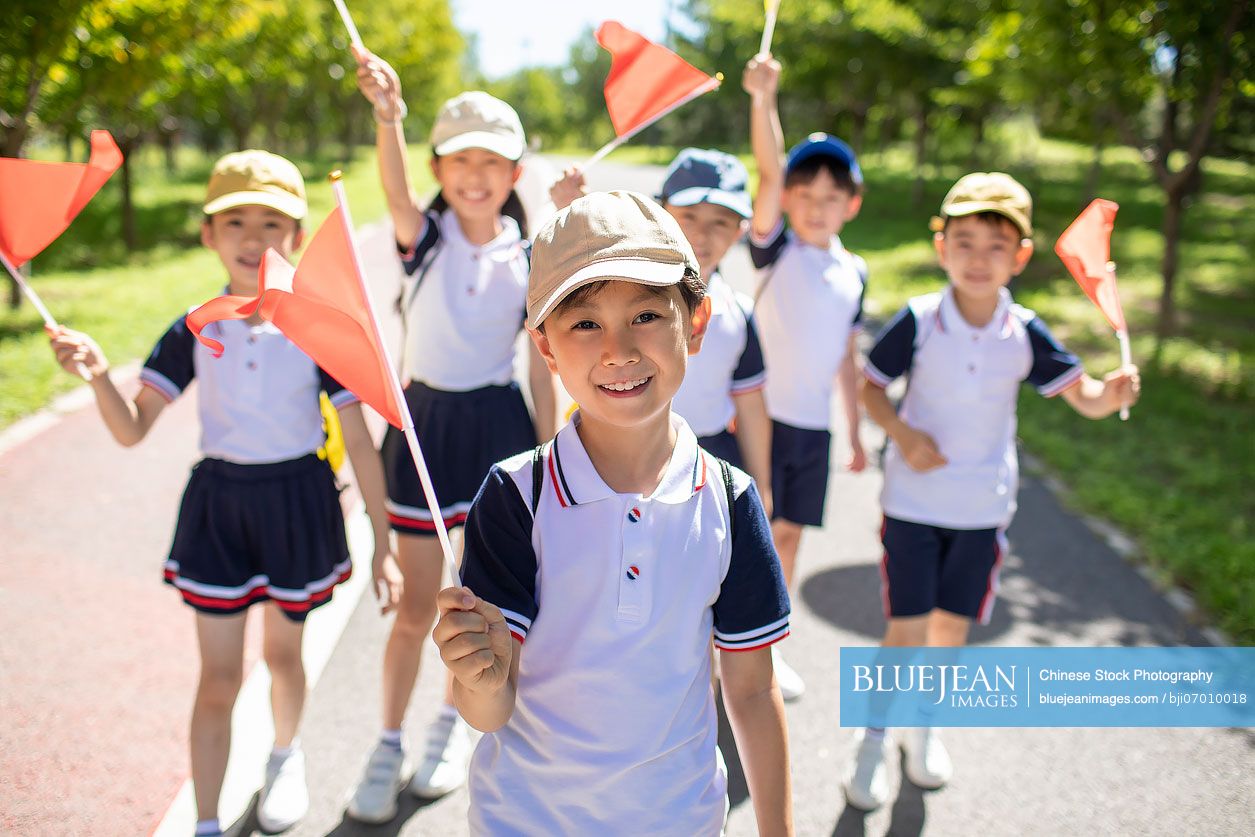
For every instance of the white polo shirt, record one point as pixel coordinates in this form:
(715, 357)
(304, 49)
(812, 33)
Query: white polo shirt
(258, 402)
(462, 318)
(729, 363)
(810, 300)
(616, 598)
(962, 389)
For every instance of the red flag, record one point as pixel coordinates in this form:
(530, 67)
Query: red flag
(1085, 248)
(646, 80)
(39, 200)
(320, 306)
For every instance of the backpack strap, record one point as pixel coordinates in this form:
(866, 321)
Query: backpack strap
(538, 478)
(726, 470)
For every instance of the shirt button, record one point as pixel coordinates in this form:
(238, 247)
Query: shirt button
(252, 339)
(634, 515)
(252, 364)
(971, 367)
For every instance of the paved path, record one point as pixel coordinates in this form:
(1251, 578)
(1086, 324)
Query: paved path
(97, 664)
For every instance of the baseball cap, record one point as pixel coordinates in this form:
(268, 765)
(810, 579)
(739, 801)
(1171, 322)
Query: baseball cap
(826, 145)
(256, 178)
(605, 235)
(708, 176)
(991, 191)
(476, 120)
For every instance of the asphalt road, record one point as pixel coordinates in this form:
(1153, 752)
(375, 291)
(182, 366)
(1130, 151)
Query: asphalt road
(97, 662)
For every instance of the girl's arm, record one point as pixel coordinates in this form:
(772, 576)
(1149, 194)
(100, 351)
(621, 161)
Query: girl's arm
(368, 470)
(1098, 399)
(847, 382)
(756, 713)
(128, 420)
(762, 76)
(381, 86)
(753, 438)
(544, 394)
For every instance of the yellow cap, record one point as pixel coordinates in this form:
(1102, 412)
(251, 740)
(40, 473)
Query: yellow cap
(991, 191)
(256, 178)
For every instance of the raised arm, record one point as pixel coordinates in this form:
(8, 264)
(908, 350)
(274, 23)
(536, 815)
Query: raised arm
(761, 79)
(128, 420)
(381, 86)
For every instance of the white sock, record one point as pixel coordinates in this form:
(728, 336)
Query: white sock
(281, 753)
(874, 733)
(391, 737)
(206, 828)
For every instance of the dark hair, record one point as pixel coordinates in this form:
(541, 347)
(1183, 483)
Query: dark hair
(299, 223)
(692, 292)
(512, 208)
(807, 170)
(993, 219)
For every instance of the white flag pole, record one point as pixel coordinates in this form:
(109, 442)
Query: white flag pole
(354, 37)
(49, 321)
(769, 29)
(1126, 353)
(712, 84)
(407, 421)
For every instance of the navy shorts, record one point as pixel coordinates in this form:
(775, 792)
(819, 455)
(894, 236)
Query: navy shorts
(926, 567)
(799, 473)
(723, 445)
(251, 533)
(463, 434)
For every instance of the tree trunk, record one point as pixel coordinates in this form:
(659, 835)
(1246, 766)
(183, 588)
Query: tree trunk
(170, 145)
(15, 138)
(921, 154)
(1172, 216)
(128, 146)
(858, 131)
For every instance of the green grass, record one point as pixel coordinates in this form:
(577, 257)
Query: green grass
(1174, 476)
(125, 301)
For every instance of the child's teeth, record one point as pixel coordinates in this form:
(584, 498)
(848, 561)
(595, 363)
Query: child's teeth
(624, 387)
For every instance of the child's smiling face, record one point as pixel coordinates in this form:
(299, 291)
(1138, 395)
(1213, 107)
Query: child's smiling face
(242, 234)
(476, 183)
(621, 348)
(981, 253)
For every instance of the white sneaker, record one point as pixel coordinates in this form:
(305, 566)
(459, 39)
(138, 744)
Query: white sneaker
(375, 800)
(285, 796)
(447, 758)
(791, 683)
(867, 780)
(928, 765)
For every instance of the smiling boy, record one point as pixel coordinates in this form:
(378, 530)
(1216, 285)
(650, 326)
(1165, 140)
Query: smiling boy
(616, 553)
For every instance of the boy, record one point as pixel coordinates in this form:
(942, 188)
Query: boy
(707, 192)
(617, 552)
(260, 521)
(950, 467)
(809, 310)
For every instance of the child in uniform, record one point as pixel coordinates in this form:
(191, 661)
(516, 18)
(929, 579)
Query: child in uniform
(463, 309)
(809, 310)
(600, 566)
(951, 472)
(260, 521)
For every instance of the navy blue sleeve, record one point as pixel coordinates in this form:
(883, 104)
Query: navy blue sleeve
(859, 263)
(764, 251)
(170, 367)
(340, 397)
(750, 373)
(1054, 367)
(894, 351)
(752, 610)
(412, 255)
(498, 562)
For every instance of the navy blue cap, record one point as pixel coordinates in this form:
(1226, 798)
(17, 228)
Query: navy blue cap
(708, 176)
(827, 145)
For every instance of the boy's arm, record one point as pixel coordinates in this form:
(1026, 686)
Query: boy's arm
(753, 439)
(917, 448)
(1098, 399)
(756, 713)
(544, 394)
(847, 383)
(381, 86)
(368, 471)
(128, 420)
(476, 645)
(762, 76)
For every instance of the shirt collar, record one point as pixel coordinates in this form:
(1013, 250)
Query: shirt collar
(505, 242)
(950, 319)
(577, 482)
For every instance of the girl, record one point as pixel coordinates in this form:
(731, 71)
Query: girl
(260, 520)
(463, 308)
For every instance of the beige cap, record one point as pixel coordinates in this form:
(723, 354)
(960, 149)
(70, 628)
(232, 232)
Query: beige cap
(477, 120)
(990, 192)
(256, 178)
(605, 235)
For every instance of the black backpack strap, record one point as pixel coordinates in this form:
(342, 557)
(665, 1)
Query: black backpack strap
(726, 470)
(538, 477)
